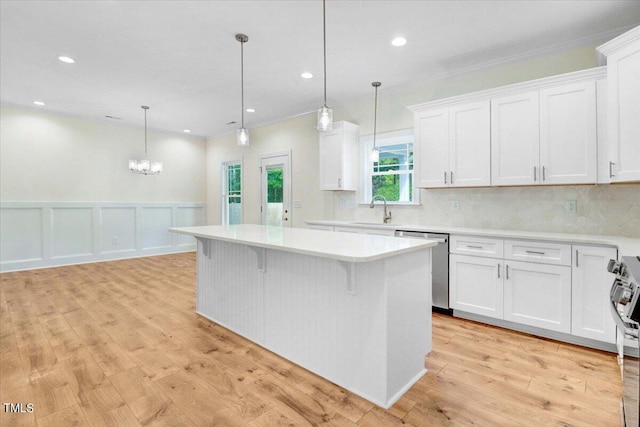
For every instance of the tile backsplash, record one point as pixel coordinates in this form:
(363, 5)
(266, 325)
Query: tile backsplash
(599, 209)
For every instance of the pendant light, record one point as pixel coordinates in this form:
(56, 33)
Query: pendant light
(325, 114)
(374, 156)
(243, 133)
(145, 167)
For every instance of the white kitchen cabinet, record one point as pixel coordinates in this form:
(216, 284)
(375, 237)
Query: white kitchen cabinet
(453, 146)
(623, 105)
(538, 295)
(568, 134)
(590, 313)
(339, 157)
(546, 136)
(515, 139)
(475, 285)
(431, 147)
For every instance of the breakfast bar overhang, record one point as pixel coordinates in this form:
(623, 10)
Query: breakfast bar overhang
(352, 308)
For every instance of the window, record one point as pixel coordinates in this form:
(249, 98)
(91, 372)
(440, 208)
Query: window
(232, 192)
(392, 175)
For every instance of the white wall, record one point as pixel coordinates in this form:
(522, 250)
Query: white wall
(50, 157)
(601, 209)
(298, 135)
(67, 196)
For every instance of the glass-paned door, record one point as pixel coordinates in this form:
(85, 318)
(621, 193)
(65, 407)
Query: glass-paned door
(232, 192)
(276, 191)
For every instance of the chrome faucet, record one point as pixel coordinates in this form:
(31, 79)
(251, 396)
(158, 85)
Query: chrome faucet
(387, 215)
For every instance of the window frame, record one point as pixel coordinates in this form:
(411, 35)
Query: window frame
(224, 194)
(366, 166)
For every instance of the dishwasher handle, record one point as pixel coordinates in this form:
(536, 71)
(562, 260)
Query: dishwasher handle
(419, 235)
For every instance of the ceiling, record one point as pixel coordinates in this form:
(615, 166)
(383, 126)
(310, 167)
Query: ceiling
(181, 57)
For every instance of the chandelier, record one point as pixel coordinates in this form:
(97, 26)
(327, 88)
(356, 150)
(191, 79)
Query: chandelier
(145, 167)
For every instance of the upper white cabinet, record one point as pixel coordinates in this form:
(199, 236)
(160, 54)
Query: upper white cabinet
(547, 136)
(515, 139)
(623, 105)
(538, 132)
(568, 134)
(338, 157)
(453, 146)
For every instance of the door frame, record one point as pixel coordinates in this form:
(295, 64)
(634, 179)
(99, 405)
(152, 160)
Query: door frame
(224, 165)
(286, 190)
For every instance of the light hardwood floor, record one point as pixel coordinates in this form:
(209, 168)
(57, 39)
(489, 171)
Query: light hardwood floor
(118, 343)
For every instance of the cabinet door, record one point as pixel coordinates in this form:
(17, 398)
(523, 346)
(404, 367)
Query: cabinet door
(538, 295)
(470, 145)
(515, 139)
(338, 157)
(568, 153)
(623, 69)
(331, 160)
(475, 285)
(431, 148)
(590, 314)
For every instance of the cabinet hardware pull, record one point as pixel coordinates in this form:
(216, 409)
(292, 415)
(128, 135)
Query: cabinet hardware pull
(339, 182)
(507, 268)
(451, 180)
(544, 175)
(535, 175)
(498, 270)
(535, 252)
(577, 258)
(474, 247)
(445, 177)
(611, 174)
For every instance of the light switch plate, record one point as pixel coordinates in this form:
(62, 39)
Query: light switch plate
(455, 205)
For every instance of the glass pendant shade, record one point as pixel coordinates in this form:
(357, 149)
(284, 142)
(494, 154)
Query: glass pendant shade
(325, 119)
(243, 137)
(374, 155)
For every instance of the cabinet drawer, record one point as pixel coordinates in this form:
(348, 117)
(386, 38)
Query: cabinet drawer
(477, 246)
(539, 252)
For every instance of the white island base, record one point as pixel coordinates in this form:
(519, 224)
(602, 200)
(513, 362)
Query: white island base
(366, 326)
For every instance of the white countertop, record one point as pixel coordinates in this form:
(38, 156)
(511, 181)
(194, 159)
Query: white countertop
(340, 246)
(626, 245)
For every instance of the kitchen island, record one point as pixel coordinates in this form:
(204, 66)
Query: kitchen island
(354, 309)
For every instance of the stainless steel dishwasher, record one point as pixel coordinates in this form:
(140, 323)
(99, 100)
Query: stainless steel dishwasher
(439, 267)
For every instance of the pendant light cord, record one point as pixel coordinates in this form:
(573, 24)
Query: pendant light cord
(242, 78)
(375, 118)
(145, 129)
(324, 42)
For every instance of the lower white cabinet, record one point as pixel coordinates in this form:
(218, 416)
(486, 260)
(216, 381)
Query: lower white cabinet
(590, 313)
(538, 295)
(548, 285)
(475, 285)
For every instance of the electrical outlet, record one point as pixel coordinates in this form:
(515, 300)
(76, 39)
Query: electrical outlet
(571, 206)
(297, 204)
(114, 240)
(455, 205)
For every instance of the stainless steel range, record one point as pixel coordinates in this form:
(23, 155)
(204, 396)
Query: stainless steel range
(625, 308)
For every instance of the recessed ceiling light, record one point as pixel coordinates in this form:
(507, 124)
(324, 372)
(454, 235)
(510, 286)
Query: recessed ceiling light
(399, 41)
(40, 103)
(67, 59)
(187, 131)
(306, 75)
(250, 110)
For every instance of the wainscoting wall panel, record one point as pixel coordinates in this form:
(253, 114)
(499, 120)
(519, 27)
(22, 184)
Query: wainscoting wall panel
(49, 234)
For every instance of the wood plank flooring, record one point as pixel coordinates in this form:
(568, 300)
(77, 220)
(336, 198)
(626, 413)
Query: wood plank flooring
(118, 343)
